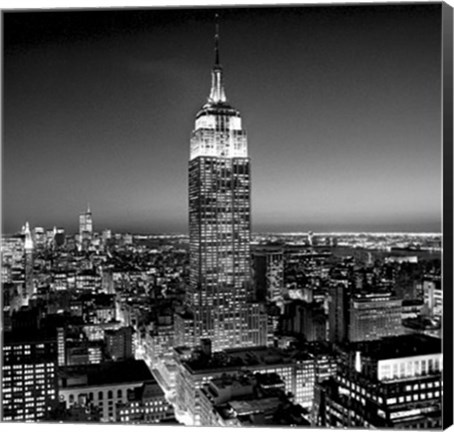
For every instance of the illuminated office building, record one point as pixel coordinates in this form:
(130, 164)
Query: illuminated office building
(220, 226)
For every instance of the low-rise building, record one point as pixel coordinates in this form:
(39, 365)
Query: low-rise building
(296, 369)
(103, 385)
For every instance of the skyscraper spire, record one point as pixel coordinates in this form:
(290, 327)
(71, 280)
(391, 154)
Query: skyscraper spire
(217, 93)
(216, 42)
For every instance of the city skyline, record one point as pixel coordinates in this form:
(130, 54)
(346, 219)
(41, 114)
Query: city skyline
(106, 96)
(308, 120)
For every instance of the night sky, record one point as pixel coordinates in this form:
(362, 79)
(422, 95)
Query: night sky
(341, 106)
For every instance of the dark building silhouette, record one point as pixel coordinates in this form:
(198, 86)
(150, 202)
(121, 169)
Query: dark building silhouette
(338, 312)
(119, 344)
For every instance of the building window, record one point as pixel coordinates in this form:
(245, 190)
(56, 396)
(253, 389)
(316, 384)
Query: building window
(110, 394)
(436, 365)
(119, 394)
(100, 395)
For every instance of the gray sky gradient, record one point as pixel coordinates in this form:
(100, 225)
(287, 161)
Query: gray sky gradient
(341, 106)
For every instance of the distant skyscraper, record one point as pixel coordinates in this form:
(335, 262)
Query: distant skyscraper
(28, 262)
(220, 225)
(86, 223)
(85, 228)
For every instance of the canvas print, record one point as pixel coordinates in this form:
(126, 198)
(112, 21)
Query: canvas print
(223, 216)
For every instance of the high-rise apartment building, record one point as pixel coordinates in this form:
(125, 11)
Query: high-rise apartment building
(220, 226)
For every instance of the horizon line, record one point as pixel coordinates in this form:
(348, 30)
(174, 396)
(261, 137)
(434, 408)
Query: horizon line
(289, 233)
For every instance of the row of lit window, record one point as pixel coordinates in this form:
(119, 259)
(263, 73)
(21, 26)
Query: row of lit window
(414, 397)
(422, 385)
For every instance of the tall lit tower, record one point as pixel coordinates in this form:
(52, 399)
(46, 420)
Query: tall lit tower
(28, 262)
(85, 227)
(220, 225)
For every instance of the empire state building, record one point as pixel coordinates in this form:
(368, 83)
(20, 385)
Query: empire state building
(220, 292)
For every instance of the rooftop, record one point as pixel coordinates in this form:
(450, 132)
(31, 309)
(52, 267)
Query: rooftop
(246, 357)
(399, 346)
(106, 373)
